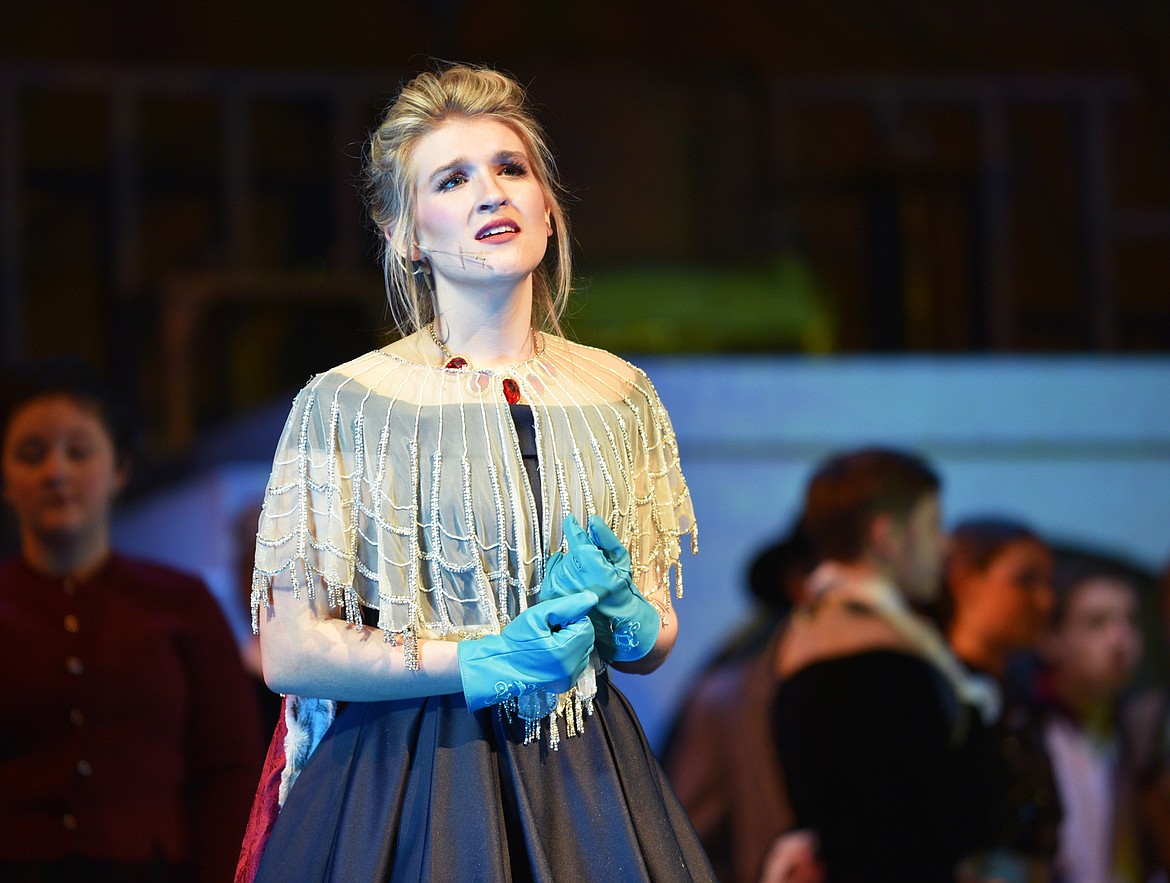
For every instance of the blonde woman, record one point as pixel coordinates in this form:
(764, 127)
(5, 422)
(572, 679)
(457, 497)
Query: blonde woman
(462, 532)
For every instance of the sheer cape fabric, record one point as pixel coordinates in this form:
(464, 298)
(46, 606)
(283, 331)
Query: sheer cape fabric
(400, 487)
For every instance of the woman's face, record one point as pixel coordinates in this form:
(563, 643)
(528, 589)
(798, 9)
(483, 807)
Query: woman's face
(1011, 599)
(480, 213)
(61, 470)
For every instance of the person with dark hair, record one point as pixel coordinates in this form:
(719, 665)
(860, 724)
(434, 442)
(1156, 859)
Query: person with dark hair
(998, 599)
(875, 717)
(128, 744)
(999, 591)
(463, 531)
(879, 509)
(1090, 650)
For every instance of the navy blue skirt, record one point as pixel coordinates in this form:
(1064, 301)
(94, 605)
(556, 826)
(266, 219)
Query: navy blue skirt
(415, 790)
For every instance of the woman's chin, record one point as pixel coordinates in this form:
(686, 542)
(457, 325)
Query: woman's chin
(63, 530)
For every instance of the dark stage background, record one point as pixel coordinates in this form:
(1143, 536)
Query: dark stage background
(837, 177)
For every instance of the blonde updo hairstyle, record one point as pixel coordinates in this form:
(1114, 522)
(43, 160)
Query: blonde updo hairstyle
(389, 174)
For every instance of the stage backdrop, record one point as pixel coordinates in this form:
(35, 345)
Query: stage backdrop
(1079, 447)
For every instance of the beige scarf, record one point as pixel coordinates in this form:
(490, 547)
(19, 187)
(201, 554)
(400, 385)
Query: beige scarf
(832, 582)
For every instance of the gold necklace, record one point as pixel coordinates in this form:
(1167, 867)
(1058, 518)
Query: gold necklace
(453, 361)
(510, 385)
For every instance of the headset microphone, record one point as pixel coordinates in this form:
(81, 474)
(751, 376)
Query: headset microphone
(477, 258)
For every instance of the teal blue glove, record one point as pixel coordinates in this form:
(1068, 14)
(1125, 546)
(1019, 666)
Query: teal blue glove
(546, 647)
(625, 624)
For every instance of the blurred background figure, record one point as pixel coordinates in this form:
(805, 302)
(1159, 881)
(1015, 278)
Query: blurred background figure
(999, 590)
(1090, 651)
(129, 747)
(878, 725)
(997, 603)
(721, 755)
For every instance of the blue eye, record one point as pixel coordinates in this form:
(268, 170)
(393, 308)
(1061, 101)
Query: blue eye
(451, 181)
(514, 170)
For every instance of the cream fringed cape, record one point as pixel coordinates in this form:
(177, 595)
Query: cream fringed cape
(400, 487)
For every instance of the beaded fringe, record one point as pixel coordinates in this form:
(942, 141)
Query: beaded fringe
(410, 650)
(573, 706)
(402, 488)
(353, 506)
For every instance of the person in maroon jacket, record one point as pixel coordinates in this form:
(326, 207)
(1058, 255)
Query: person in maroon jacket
(128, 741)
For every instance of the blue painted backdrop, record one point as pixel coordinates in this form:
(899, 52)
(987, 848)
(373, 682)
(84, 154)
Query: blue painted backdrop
(1079, 447)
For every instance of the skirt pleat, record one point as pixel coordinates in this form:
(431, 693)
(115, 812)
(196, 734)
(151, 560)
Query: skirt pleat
(420, 790)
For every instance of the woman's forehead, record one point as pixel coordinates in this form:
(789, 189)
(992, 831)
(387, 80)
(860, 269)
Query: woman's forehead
(467, 139)
(55, 411)
(1101, 593)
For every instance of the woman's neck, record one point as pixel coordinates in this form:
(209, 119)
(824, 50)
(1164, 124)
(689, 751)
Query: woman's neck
(76, 556)
(490, 331)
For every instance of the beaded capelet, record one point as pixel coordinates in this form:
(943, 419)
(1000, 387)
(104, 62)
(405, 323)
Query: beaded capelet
(400, 487)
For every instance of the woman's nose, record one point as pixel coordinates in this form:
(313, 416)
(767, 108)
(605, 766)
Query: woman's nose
(54, 465)
(493, 196)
